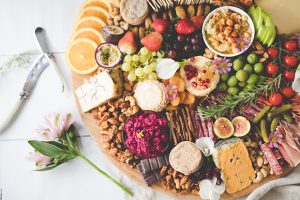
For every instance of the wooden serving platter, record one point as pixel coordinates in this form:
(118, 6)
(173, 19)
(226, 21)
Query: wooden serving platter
(281, 12)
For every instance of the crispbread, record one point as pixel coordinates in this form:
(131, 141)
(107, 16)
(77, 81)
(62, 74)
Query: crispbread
(186, 158)
(134, 12)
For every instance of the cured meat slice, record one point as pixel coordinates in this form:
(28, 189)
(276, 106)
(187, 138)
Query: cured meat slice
(274, 164)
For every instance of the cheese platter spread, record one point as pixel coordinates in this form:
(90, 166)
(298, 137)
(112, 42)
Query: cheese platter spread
(180, 93)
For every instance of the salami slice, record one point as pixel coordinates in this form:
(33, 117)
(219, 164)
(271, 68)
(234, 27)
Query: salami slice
(274, 164)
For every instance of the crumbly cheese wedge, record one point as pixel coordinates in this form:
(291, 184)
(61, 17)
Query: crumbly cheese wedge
(232, 157)
(96, 91)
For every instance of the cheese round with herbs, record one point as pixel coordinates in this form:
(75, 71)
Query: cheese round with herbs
(201, 75)
(186, 158)
(150, 95)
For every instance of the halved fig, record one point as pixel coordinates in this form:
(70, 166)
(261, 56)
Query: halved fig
(223, 128)
(241, 126)
(112, 33)
(108, 55)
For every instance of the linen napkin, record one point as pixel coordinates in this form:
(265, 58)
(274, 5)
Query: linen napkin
(287, 188)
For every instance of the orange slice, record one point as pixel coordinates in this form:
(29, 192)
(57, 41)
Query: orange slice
(89, 33)
(101, 3)
(89, 22)
(80, 56)
(94, 11)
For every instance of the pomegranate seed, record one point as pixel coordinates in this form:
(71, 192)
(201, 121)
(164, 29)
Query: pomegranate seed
(194, 84)
(204, 71)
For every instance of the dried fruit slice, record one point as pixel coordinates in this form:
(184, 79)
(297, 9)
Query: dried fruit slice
(94, 11)
(112, 33)
(108, 55)
(80, 56)
(178, 82)
(89, 22)
(101, 3)
(241, 126)
(223, 128)
(89, 33)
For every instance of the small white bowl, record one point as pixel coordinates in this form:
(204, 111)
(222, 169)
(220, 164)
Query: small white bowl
(235, 9)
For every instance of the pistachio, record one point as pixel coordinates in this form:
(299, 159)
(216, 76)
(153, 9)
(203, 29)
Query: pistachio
(141, 32)
(180, 12)
(259, 161)
(191, 11)
(259, 177)
(199, 10)
(254, 145)
(148, 23)
(264, 172)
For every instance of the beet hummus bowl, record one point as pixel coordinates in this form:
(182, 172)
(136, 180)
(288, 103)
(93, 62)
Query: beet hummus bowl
(147, 134)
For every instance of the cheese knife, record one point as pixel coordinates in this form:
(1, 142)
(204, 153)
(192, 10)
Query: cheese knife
(39, 65)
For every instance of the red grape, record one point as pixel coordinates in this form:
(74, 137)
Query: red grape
(172, 54)
(180, 38)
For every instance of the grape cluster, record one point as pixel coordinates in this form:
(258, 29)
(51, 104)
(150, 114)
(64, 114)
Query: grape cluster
(182, 46)
(141, 66)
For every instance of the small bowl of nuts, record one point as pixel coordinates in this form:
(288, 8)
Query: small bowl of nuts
(228, 31)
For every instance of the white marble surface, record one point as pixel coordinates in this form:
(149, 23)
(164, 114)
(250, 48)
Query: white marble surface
(74, 180)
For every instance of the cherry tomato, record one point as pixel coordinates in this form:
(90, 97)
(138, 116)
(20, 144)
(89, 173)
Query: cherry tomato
(287, 91)
(290, 45)
(290, 61)
(273, 52)
(272, 68)
(275, 99)
(289, 75)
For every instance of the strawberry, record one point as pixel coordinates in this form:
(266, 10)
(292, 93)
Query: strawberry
(198, 21)
(159, 25)
(185, 26)
(127, 43)
(152, 41)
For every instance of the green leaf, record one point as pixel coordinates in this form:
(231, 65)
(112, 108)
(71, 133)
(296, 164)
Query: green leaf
(54, 165)
(49, 148)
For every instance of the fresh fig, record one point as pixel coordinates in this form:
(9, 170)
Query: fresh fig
(223, 128)
(112, 33)
(108, 55)
(241, 126)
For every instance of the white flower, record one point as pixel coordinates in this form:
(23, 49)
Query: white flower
(206, 145)
(210, 190)
(55, 124)
(39, 159)
(166, 68)
(296, 82)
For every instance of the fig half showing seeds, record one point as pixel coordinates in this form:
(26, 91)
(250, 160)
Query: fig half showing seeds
(241, 125)
(108, 55)
(223, 128)
(112, 33)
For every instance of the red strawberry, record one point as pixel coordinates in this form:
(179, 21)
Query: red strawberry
(198, 21)
(127, 43)
(152, 41)
(159, 25)
(185, 26)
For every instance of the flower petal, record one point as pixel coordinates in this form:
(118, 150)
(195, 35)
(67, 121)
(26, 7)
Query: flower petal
(214, 195)
(206, 145)
(220, 189)
(166, 68)
(205, 189)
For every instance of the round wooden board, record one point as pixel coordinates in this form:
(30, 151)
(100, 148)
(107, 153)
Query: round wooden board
(280, 16)
(91, 125)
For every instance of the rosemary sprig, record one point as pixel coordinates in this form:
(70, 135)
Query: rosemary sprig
(248, 96)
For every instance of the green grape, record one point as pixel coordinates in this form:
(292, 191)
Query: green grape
(152, 76)
(135, 58)
(153, 66)
(139, 72)
(128, 58)
(126, 67)
(147, 69)
(131, 76)
(144, 51)
(153, 54)
(143, 59)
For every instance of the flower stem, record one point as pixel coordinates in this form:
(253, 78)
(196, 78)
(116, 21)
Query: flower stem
(105, 174)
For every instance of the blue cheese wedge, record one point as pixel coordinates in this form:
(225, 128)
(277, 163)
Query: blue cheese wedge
(96, 91)
(232, 158)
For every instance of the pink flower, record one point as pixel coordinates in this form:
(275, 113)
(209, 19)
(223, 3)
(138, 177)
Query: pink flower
(171, 91)
(46, 134)
(223, 65)
(275, 139)
(39, 159)
(57, 123)
(242, 43)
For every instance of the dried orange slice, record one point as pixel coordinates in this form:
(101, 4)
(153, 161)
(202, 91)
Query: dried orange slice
(89, 33)
(94, 11)
(101, 3)
(80, 56)
(90, 22)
